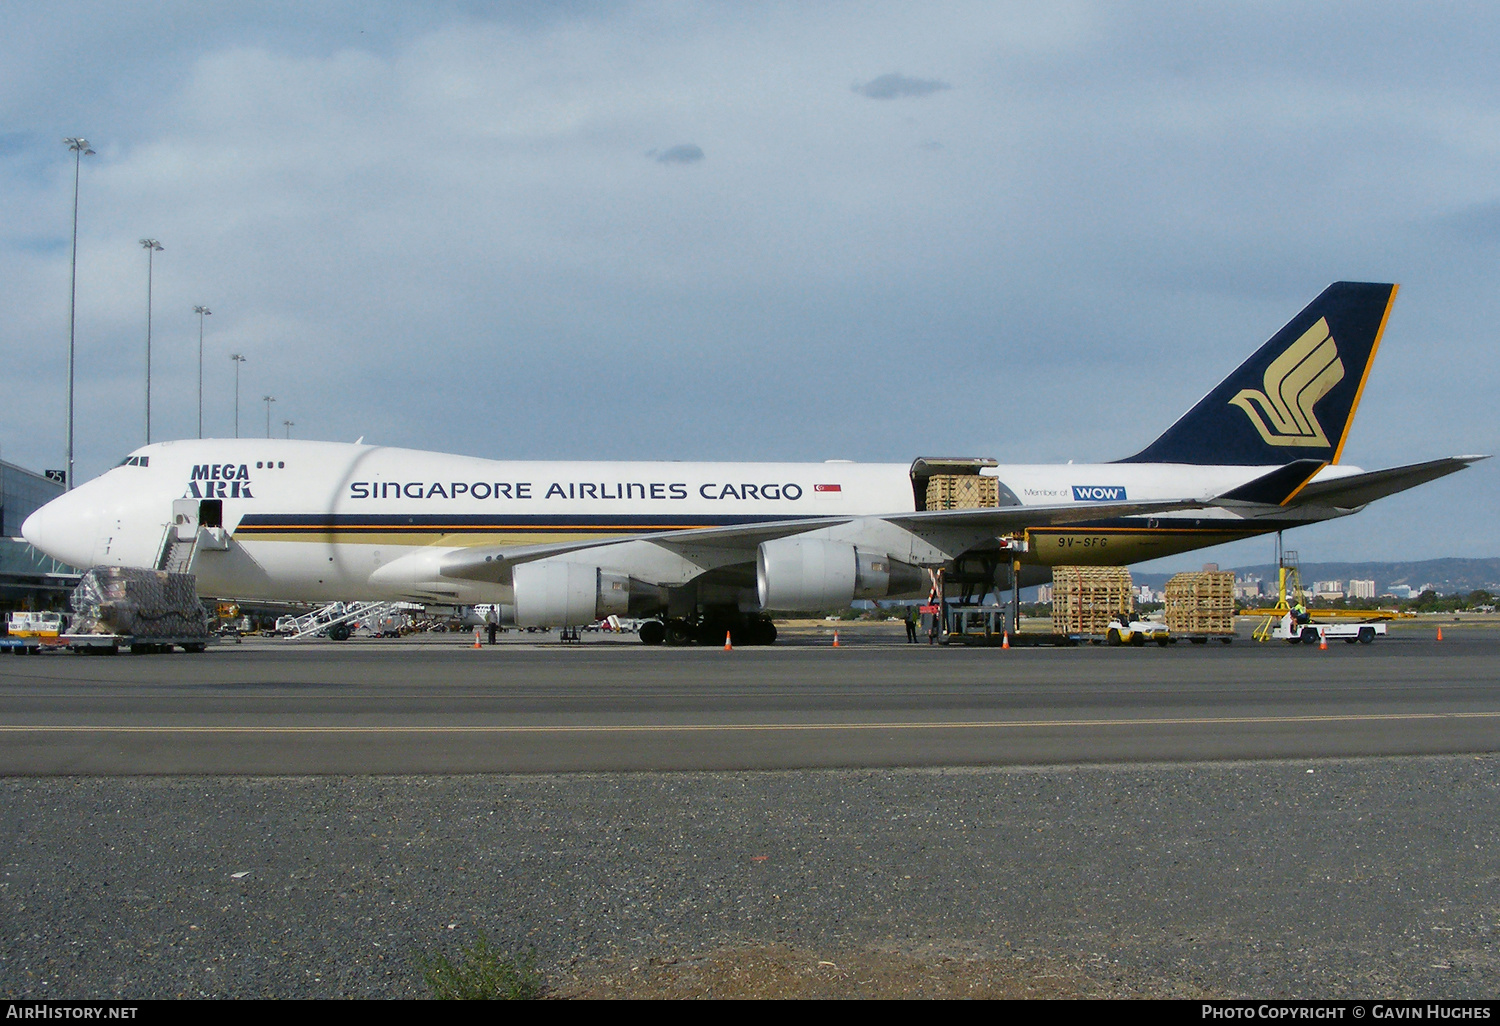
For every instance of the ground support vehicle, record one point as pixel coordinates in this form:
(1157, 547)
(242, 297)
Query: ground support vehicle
(1313, 633)
(28, 632)
(112, 644)
(988, 626)
(1126, 630)
(1204, 637)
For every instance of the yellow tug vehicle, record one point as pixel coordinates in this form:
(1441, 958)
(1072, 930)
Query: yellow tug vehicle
(1125, 630)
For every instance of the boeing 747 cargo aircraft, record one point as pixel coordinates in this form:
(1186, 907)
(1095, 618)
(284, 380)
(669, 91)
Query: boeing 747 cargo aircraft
(705, 548)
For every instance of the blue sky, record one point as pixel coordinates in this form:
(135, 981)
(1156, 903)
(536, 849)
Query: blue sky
(782, 231)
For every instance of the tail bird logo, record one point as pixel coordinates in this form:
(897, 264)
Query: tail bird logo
(1295, 381)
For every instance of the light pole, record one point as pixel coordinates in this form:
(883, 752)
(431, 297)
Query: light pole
(152, 248)
(202, 312)
(268, 400)
(289, 424)
(238, 359)
(80, 148)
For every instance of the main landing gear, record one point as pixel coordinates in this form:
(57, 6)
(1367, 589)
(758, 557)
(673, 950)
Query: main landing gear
(742, 628)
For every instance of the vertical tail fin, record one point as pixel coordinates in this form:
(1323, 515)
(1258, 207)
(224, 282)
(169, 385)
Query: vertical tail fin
(1296, 397)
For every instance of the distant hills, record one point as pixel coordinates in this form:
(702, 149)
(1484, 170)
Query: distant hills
(1447, 576)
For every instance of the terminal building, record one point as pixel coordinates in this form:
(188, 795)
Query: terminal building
(28, 579)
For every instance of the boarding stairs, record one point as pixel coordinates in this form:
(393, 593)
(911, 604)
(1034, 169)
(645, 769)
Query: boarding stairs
(177, 554)
(336, 613)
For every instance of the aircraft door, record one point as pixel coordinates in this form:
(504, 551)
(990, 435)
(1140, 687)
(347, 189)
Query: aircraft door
(185, 519)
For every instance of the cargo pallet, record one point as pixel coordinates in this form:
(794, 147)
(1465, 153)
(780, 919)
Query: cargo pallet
(1086, 598)
(1200, 606)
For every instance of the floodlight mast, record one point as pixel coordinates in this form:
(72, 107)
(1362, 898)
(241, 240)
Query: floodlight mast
(202, 312)
(238, 359)
(152, 247)
(80, 148)
(268, 400)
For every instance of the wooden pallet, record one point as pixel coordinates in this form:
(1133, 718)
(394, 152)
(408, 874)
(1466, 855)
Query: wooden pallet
(1086, 598)
(962, 491)
(1201, 602)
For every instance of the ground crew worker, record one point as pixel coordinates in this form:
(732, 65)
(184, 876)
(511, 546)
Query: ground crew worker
(911, 625)
(491, 623)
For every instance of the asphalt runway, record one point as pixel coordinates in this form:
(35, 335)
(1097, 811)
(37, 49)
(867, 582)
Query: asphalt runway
(440, 706)
(283, 821)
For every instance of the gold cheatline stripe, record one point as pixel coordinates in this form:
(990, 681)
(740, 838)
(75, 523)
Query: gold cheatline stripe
(1359, 393)
(699, 727)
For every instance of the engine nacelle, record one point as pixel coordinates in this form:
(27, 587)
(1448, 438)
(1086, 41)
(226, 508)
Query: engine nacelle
(810, 574)
(557, 593)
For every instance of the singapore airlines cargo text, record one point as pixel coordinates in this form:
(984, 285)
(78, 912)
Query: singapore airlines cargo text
(572, 490)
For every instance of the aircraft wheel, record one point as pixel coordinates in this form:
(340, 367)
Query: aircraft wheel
(711, 632)
(755, 629)
(679, 632)
(653, 633)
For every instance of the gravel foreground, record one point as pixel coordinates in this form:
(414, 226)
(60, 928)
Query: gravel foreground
(1370, 878)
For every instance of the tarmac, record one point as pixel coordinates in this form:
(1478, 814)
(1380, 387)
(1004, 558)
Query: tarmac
(1242, 820)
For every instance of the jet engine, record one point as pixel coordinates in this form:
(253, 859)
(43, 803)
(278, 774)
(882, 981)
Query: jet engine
(810, 574)
(557, 593)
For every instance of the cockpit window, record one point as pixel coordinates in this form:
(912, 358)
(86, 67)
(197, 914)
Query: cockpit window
(136, 461)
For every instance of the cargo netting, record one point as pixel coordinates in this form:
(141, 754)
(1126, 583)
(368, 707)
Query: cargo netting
(138, 603)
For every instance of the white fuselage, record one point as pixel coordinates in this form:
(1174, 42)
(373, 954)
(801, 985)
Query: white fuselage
(314, 521)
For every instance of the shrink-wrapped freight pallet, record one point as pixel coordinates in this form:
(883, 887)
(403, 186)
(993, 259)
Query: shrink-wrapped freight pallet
(125, 601)
(1085, 598)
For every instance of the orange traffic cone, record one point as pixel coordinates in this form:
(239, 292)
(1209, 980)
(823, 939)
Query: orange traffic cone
(1323, 641)
(1440, 633)
(835, 639)
(476, 638)
(1005, 640)
(727, 646)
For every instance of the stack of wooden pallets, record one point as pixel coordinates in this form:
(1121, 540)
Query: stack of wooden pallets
(1201, 602)
(962, 491)
(1085, 598)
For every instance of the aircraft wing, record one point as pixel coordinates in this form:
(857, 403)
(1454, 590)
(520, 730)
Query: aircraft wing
(493, 562)
(1360, 489)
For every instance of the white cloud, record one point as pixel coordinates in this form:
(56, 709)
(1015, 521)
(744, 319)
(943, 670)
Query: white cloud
(436, 227)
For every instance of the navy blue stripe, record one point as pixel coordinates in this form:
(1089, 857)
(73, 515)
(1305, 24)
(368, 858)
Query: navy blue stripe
(302, 522)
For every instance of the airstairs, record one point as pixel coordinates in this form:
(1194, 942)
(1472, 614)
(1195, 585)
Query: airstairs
(339, 614)
(177, 554)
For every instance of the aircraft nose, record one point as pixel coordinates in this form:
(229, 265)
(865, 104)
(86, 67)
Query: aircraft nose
(63, 529)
